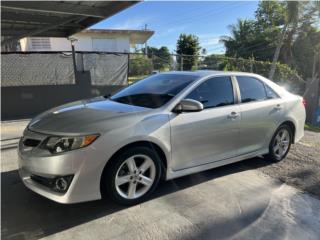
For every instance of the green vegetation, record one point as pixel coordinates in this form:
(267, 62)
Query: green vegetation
(284, 75)
(282, 31)
(161, 58)
(140, 65)
(312, 128)
(188, 45)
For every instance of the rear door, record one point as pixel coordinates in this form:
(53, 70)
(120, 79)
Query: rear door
(261, 110)
(209, 135)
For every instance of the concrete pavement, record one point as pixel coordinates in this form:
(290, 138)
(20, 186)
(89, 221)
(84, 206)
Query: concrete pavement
(231, 202)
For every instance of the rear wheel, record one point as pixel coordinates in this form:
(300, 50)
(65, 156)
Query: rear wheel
(132, 176)
(280, 144)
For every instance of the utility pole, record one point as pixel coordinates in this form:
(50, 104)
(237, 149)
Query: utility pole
(146, 44)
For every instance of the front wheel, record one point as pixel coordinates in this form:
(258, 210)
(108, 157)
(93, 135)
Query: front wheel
(280, 144)
(132, 176)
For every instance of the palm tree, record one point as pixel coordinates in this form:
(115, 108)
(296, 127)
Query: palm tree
(291, 20)
(238, 42)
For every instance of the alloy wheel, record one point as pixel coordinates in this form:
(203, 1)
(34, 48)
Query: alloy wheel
(281, 143)
(135, 176)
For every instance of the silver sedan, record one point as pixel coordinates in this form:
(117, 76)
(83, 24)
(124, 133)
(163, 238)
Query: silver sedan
(163, 127)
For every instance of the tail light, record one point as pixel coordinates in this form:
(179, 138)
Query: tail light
(304, 102)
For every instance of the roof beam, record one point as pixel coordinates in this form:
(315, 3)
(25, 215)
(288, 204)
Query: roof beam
(28, 18)
(16, 35)
(56, 7)
(39, 30)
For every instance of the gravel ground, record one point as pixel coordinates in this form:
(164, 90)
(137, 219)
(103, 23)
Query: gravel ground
(300, 169)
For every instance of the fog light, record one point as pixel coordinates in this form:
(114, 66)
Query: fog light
(61, 184)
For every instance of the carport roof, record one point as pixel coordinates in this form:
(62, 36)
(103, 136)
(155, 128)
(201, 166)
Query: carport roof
(52, 18)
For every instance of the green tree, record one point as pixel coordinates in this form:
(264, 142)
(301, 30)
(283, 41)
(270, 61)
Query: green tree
(291, 17)
(161, 57)
(306, 52)
(188, 48)
(270, 14)
(247, 40)
(271, 36)
(140, 65)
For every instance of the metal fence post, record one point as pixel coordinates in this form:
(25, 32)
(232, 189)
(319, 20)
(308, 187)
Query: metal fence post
(181, 62)
(74, 60)
(128, 68)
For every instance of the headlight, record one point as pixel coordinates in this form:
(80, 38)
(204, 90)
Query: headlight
(63, 144)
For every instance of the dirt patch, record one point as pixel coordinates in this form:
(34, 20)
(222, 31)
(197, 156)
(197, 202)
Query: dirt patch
(301, 168)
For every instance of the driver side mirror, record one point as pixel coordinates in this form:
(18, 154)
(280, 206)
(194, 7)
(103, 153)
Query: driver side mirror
(188, 105)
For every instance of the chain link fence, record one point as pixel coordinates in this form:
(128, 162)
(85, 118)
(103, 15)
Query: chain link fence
(141, 65)
(57, 68)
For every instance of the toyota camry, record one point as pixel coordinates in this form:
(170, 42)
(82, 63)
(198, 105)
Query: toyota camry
(163, 127)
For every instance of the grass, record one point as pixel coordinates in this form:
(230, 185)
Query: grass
(311, 128)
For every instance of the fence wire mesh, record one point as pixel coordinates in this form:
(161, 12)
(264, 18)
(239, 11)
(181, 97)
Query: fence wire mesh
(57, 68)
(142, 65)
(106, 69)
(36, 69)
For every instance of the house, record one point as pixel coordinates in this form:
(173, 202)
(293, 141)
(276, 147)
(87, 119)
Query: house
(101, 40)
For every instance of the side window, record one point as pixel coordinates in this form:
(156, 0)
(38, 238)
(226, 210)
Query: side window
(214, 92)
(270, 93)
(251, 89)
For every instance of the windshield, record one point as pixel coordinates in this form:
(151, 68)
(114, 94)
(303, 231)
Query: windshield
(154, 91)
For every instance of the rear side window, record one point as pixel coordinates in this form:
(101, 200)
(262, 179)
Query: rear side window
(271, 94)
(251, 89)
(214, 92)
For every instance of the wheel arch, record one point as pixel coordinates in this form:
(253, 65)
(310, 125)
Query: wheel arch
(292, 126)
(150, 145)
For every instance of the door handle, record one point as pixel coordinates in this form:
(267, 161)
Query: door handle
(233, 115)
(278, 107)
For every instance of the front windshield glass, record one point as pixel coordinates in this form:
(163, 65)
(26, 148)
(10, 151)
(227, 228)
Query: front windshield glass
(154, 91)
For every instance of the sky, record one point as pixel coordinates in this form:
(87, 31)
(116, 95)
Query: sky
(209, 20)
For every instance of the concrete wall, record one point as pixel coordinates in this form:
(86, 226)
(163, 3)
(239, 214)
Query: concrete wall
(95, 42)
(28, 101)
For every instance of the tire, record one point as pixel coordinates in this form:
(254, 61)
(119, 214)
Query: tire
(280, 145)
(127, 184)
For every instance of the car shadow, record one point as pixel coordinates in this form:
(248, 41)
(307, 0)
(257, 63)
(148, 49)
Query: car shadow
(26, 215)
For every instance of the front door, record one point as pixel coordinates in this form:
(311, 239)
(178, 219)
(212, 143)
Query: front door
(199, 138)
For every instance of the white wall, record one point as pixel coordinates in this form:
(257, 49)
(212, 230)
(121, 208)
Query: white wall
(94, 42)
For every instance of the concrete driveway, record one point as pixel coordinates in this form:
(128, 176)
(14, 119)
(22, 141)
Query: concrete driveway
(234, 202)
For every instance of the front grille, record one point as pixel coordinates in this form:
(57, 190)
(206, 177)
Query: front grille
(31, 142)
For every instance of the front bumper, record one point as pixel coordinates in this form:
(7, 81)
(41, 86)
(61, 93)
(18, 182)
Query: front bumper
(83, 164)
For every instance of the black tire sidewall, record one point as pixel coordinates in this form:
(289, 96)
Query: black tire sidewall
(271, 154)
(108, 179)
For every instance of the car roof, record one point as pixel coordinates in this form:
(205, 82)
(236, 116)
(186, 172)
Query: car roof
(206, 73)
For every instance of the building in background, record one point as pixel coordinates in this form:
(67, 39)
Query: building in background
(100, 40)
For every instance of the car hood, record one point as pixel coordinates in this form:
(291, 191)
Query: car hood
(96, 115)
